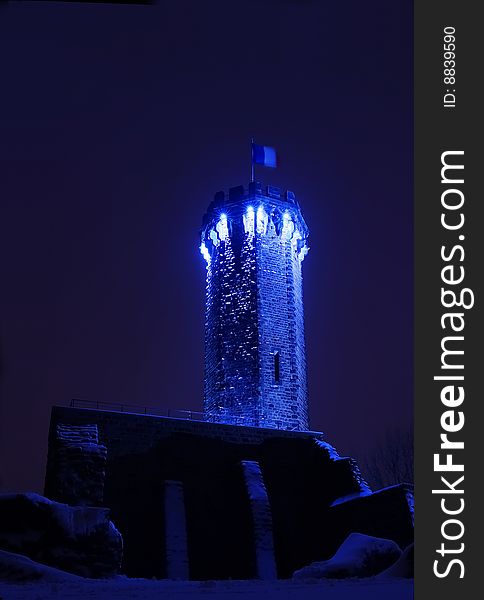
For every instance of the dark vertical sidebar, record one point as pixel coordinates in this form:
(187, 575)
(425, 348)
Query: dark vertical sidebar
(449, 268)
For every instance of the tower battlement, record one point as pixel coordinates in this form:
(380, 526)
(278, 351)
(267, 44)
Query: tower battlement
(254, 241)
(255, 208)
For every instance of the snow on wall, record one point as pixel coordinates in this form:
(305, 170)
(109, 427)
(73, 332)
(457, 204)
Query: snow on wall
(331, 450)
(262, 519)
(177, 566)
(364, 490)
(303, 476)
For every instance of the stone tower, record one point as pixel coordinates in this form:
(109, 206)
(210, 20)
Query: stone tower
(254, 242)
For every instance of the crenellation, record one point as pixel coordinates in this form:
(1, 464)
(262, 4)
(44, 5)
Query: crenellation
(249, 491)
(254, 243)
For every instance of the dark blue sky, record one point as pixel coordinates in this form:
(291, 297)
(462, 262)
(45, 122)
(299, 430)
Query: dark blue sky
(118, 125)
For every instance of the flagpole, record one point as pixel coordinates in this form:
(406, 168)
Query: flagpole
(252, 160)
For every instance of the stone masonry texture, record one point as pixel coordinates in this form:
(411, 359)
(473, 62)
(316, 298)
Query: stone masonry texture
(254, 243)
(80, 462)
(302, 474)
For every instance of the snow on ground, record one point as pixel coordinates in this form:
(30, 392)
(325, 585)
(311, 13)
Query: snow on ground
(358, 556)
(122, 588)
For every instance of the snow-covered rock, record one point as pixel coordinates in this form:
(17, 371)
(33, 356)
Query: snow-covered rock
(77, 539)
(358, 556)
(385, 513)
(403, 567)
(15, 567)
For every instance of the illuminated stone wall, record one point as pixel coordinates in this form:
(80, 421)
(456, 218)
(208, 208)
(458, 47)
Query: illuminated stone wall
(315, 497)
(254, 242)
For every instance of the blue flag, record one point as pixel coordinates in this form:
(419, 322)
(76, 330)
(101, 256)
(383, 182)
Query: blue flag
(264, 155)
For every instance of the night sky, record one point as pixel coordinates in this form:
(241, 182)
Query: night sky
(119, 123)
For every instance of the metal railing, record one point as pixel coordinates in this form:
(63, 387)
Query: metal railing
(191, 415)
(223, 417)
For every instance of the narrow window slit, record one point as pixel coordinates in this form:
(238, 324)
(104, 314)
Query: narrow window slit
(277, 367)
